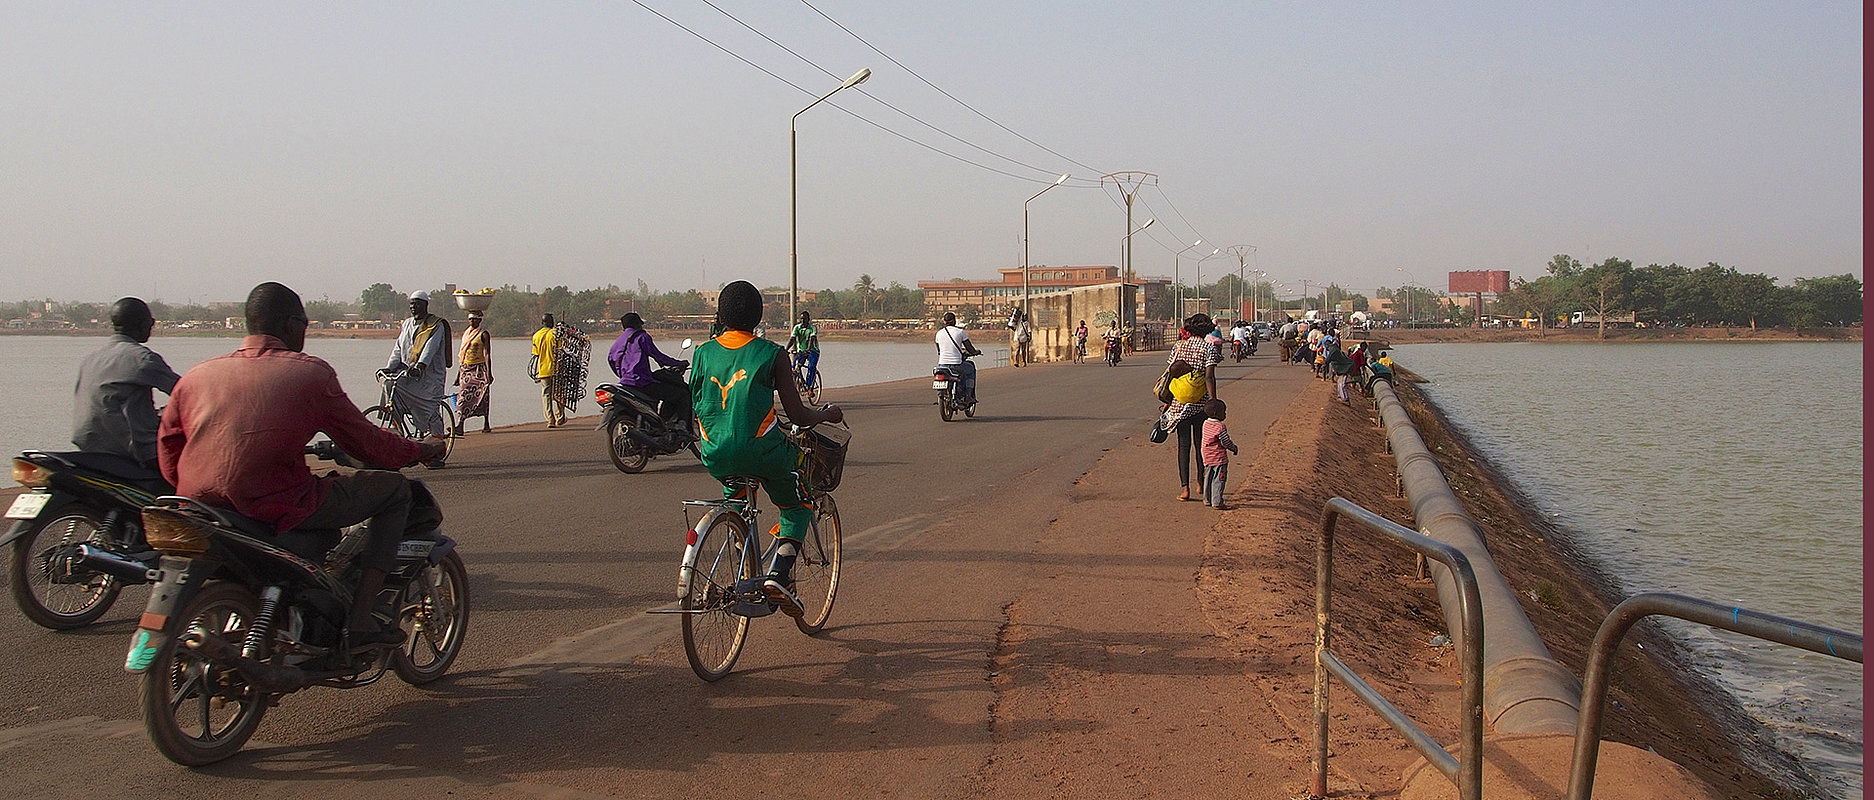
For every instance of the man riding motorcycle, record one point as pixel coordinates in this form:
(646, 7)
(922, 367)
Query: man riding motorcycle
(113, 408)
(631, 358)
(234, 436)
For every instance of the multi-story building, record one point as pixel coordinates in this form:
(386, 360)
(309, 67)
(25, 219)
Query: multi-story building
(970, 298)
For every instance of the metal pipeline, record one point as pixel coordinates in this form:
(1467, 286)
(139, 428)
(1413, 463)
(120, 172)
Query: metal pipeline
(1525, 689)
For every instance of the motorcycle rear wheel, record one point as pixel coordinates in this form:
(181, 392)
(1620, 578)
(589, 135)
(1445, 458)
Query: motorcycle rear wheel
(195, 712)
(628, 455)
(61, 606)
(435, 622)
(712, 636)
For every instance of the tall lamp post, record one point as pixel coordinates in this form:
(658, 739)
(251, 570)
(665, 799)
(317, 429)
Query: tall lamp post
(1242, 253)
(1057, 182)
(1409, 276)
(1125, 245)
(1200, 278)
(793, 204)
(1177, 284)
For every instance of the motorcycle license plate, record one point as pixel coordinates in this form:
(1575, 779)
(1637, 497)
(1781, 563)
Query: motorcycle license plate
(939, 384)
(28, 505)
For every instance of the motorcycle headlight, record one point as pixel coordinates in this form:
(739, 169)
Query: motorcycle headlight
(26, 473)
(173, 533)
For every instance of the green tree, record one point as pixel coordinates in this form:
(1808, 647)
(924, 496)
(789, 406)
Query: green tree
(867, 291)
(1836, 298)
(1603, 288)
(379, 301)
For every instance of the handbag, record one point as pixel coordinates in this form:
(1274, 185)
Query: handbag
(1158, 431)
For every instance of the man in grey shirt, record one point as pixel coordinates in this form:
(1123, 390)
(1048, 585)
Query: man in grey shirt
(113, 410)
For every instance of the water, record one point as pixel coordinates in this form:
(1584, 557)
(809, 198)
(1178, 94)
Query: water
(1725, 471)
(42, 370)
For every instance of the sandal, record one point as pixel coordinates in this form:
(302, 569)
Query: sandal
(1186, 494)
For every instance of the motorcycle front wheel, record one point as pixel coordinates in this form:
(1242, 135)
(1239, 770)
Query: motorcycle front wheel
(945, 408)
(51, 600)
(627, 454)
(434, 613)
(195, 712)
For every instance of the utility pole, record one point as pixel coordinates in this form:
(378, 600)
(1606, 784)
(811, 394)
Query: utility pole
(1128, 182)
(1242, 252)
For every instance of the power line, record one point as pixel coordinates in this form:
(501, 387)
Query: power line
(940, 90)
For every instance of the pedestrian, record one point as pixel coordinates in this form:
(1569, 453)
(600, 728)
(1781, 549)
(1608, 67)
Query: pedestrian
(1217, 449)
(422, 357)
(114, 405)
(1185, 415)
(476, 375)
(1341, 365)
(542, 373)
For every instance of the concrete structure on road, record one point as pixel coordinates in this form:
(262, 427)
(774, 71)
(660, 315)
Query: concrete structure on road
(987, 299)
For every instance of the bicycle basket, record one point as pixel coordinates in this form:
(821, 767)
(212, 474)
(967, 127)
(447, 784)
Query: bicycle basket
(826, 456)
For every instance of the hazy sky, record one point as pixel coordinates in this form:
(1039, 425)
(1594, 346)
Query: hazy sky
(186, 151)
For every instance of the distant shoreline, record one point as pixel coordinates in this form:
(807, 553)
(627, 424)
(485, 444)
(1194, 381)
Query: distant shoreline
(1391, 336)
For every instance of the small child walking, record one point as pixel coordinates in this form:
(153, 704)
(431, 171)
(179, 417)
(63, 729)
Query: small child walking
(1216, 448)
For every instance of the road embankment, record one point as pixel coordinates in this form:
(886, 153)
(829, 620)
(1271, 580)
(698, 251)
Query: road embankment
(1259, 587)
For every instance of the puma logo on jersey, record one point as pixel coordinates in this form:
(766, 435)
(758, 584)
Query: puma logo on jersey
(733, 380)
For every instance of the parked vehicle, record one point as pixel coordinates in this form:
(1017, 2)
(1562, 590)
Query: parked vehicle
(77, 503)
(1617, 318)
(243, 616)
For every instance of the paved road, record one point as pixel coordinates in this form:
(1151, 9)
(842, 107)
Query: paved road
(567, 688)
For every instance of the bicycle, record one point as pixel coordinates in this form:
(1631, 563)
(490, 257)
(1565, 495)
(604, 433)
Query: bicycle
(807, 379)
(719, 582)
(391, 415)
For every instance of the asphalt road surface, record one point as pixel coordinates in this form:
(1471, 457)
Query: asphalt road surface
(567, 688)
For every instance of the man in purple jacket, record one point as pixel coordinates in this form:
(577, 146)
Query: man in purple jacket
(631, 360)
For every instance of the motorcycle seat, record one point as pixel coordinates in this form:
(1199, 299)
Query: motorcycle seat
(111, 465)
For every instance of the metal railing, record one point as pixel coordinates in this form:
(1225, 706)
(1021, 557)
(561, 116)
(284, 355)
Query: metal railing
(1466, 769)
(1813, 638)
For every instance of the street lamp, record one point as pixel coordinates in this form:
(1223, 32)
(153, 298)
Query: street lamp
(1402, 270)
(1125, 248)
(1199, 277)
(1177, 293)
(793, 205)
(1057, 182)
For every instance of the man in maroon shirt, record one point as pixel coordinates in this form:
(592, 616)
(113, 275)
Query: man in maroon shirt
(234, 436)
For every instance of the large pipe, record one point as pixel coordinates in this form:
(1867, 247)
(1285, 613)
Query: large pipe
(1525, 689)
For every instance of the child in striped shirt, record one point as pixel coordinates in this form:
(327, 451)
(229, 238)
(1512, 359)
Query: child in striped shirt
(1216, 448)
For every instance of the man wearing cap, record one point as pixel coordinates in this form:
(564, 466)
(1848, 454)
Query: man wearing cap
(422, 356)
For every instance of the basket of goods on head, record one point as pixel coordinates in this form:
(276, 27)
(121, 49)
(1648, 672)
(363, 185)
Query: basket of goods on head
(474, 301)
(826, 455)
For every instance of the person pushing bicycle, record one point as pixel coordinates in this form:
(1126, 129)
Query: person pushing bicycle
(734, 381)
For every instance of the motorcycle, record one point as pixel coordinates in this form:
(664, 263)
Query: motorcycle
(947, 379)
(77, 502)
(1112, 352)
(242, 616)
(635, 431)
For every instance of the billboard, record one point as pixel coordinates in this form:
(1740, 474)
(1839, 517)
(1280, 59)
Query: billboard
(1474, 281)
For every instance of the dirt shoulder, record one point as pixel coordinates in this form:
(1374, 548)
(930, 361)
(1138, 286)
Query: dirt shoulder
(1258, 589)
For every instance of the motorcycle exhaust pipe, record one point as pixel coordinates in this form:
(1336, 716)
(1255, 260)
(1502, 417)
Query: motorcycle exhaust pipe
(112, 564)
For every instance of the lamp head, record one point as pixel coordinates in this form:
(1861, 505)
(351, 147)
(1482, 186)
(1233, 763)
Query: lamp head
(1061, 180)
(857, 78)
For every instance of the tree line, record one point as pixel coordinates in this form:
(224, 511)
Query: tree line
(1673, 295)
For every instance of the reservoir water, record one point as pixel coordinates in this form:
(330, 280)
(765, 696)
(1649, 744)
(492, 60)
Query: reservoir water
(1730, 472)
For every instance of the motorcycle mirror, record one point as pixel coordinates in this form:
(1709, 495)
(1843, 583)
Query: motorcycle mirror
(687, 343)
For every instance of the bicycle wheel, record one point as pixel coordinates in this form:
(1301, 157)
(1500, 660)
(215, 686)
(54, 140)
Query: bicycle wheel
(383, 417)
(446, 413)
(809, 386)
(712, 637)
(816, 571)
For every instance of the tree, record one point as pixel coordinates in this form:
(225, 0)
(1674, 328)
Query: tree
(1603, 288)
(1836, 298)
(379, 301)
(867, 290)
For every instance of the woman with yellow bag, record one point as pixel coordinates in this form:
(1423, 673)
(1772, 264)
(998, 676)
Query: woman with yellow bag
(1189, 391)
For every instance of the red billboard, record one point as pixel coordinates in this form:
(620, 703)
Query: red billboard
(1474, 281)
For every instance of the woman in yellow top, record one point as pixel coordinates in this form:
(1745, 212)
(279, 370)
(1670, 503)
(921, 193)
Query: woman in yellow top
(543, 373)
(473, 378)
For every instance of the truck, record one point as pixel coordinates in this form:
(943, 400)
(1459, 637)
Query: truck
(1613, 319)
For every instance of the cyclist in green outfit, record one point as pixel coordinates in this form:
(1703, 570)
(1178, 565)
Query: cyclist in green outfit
(734, 380)
(805, 343)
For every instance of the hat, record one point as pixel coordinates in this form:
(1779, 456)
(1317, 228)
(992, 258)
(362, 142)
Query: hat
(420, 294)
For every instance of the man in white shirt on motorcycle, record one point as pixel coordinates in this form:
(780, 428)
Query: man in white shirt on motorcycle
(954, 350)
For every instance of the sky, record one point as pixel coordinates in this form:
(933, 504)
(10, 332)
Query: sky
(186, 151)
